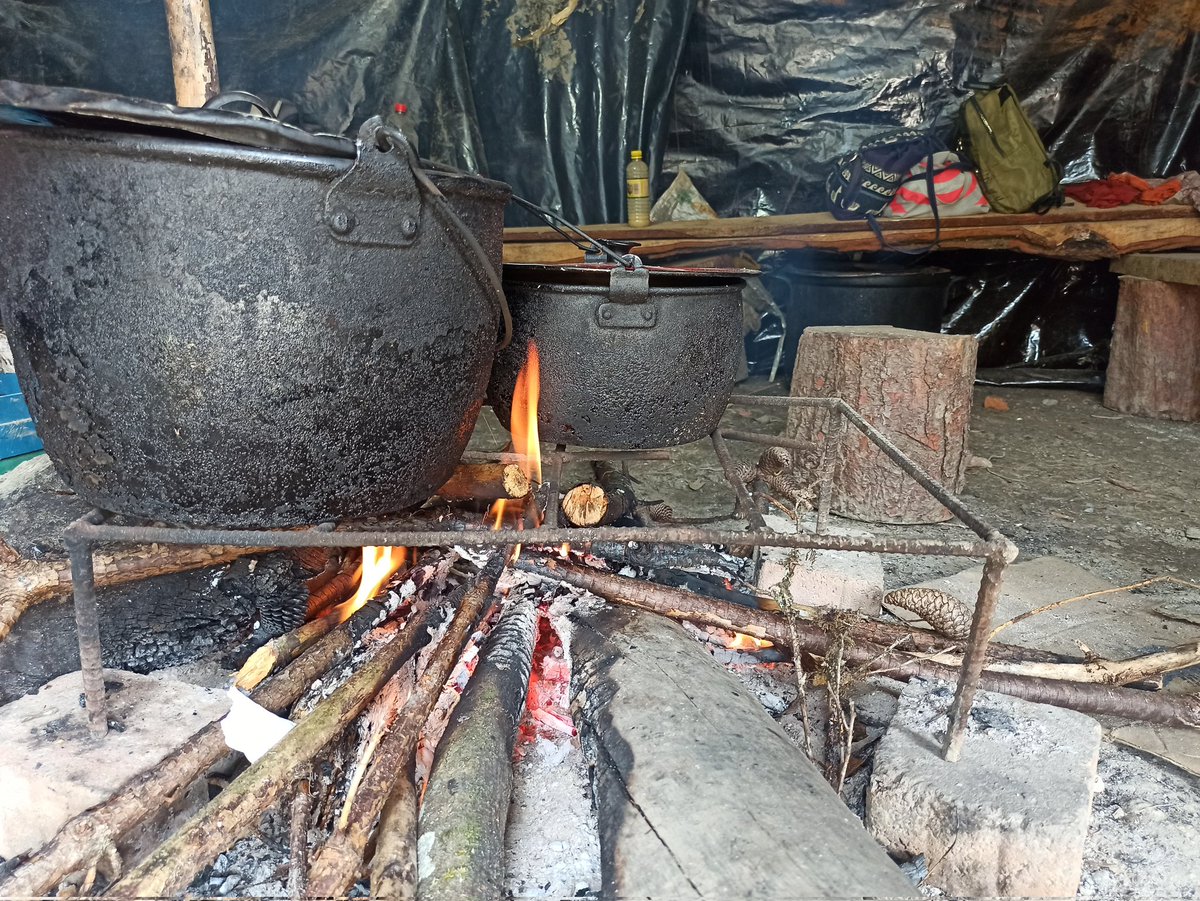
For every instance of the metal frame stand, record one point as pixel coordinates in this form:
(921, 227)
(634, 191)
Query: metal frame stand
(990, 545)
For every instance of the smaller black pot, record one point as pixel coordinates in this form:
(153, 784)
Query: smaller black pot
(629, 358)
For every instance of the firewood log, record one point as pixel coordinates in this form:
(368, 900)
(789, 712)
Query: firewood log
(24, 583)
(1087, 686)
(337, 864)
(86, 836)
(603, 501)
(485, 482)
(465, 807)
(237, 810)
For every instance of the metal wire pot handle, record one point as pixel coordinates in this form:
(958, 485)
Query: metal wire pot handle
(388, 138)
(574, 234)
(225, 98)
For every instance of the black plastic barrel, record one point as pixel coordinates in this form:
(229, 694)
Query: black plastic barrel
(848, 293)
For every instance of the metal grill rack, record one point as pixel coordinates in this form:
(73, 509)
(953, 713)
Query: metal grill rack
(989, 544)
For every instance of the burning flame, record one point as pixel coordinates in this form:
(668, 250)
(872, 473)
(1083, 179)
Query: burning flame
(741, 642)
(524, 418)
(523, 423)
(378, 565)
(564, 550)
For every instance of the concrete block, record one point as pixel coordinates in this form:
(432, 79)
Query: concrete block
(1010, 817)
(847, 580)
(51, 767)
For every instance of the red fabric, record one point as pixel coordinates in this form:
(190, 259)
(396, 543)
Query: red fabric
(1120, 189)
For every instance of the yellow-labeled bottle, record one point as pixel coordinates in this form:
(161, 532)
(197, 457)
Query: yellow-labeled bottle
(637, 190)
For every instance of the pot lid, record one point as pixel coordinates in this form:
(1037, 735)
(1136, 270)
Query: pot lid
(28, 104)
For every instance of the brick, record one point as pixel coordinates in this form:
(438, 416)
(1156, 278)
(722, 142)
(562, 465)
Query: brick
(1010, 817)
(847, 580)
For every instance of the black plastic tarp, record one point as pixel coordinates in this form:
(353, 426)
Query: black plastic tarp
(769, 91)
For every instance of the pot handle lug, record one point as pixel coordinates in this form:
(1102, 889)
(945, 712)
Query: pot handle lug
(376, 202)
(629, 304)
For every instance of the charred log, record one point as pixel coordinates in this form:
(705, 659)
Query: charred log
(602, 502)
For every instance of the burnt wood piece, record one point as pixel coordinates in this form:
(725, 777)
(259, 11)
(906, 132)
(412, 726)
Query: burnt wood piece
(236, 811)
(465, 806)
(338, 863)
(1085, 685)
(698, 791)
(602, 502)
(913, 386)
(160, 622)
(1072, 232)
(87, 835)
(1154, 364)
(485, 482)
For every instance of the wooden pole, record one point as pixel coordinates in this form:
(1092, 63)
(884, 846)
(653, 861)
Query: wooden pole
(193, 52)
(465, 808)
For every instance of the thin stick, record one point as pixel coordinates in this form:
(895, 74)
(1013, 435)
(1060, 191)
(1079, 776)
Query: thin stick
(193, 51)
(1083, 597)
(298, 839)
(237, 810)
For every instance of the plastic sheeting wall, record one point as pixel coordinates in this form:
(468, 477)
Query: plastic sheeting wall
(753, 98)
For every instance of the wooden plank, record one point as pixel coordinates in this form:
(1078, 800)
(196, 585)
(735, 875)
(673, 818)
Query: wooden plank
(700, 793)
(1072, 232)
(1177, 268)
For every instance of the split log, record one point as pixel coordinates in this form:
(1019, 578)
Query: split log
(24, 583)
(485, 482)
(395, 876)
(1047, 683)
(915, 387)
(83, 838)
(1153, 367)
(602, 502)
(237, 810)
(696, 785)
(465, 807)
(338, 863)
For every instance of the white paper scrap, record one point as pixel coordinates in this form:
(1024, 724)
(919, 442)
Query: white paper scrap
(252, 729)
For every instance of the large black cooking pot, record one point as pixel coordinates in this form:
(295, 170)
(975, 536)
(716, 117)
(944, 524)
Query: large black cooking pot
(630, 356)
(219, 319)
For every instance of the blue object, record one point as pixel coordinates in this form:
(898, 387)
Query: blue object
(17, 435)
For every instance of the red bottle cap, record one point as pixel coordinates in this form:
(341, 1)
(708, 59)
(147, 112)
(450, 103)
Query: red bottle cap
(401, 107)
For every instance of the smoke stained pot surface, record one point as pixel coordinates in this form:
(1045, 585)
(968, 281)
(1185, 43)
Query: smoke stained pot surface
(272, 332)
(630, 358)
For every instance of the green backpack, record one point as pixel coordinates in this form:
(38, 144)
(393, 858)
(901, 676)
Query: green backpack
(1017, 173)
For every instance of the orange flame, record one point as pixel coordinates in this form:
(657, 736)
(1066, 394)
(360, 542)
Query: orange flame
(564, 550)
(378, 565)
(523, 423)
(524, 418)
(741, 642)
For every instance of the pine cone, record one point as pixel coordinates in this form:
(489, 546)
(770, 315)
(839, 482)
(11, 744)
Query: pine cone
(660, 512)
(746, 473)
(786, 484)
(944, 612)
(775, 459)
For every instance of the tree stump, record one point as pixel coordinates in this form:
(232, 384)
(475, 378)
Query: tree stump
(1154, 364)
(915, 387)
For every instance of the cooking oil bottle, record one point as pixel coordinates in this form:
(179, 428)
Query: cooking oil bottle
(637, 190)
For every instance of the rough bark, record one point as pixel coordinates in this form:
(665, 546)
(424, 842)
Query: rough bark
(193, 52)
(337, 864)
(85, 836)
(915, 387)
(237, 810)
(1098, 694)
(465, 807)
(698, 791)
(1154, 364)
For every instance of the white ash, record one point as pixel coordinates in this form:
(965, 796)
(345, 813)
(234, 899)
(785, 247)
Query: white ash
(255, 867)
(1144, 832)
